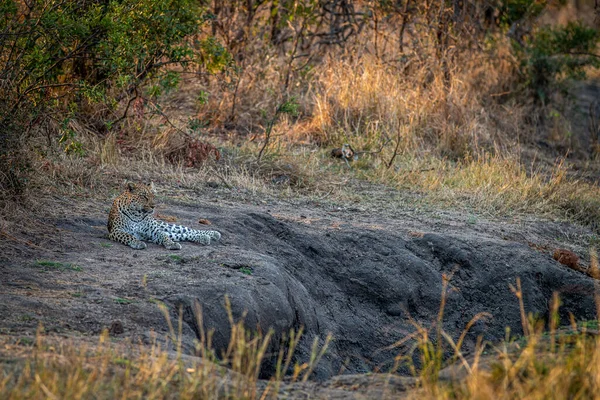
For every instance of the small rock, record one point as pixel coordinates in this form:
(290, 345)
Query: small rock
(394, 310)
(204, 221)
(116, 328)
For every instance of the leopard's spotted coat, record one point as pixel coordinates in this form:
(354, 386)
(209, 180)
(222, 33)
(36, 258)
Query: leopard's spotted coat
(131, 221)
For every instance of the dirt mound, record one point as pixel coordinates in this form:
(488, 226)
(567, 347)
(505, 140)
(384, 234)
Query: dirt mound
(359, 276)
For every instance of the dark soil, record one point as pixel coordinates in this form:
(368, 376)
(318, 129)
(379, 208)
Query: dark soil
(364, 276)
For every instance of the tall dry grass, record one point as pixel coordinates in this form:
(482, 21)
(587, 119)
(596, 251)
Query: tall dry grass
(545, 361)
(369, 103)
(55, 368)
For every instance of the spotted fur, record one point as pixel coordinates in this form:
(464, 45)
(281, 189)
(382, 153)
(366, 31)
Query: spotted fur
(131, 221)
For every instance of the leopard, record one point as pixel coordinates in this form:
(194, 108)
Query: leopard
(131, 221)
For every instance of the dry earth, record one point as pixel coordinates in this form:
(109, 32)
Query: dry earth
(358, 272)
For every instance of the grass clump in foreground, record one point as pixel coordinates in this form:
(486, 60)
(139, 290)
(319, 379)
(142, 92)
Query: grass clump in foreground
(563, 364)
(557, 363)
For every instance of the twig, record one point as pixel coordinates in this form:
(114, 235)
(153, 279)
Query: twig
(126, 108)
(581, 53)
(297, 36)
(518, 292)
(501, 94)
(374, 152)
(240, 73)
(404, 16)
(269, 129)
(410, 171)
(267, 137)
(167, 120)
(391, 162)
(222, 179)
(593, 126)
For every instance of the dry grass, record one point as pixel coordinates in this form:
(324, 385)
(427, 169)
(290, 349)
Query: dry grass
(547, 362)
(535, 370)
(367, 103)
(495, 185)
(67, 369)
(452, 143)
(489, 184)
(501, 186)
(55, 368)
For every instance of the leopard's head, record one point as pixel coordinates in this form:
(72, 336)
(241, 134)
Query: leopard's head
(141, 197)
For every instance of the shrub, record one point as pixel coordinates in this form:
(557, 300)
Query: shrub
(59, 59)
(552, 54)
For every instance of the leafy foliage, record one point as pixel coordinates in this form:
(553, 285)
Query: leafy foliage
(553, 54)
(511, 11)
(57, 57)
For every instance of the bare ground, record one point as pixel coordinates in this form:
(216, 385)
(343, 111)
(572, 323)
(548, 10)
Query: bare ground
(358, 271)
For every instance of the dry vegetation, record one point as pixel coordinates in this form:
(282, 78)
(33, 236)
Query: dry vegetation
(446, 124)
(49, 367)
(451, 128)
(445, 142)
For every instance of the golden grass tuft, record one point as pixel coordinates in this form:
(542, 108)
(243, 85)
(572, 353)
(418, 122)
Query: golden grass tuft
(546, 362)
(368, 103)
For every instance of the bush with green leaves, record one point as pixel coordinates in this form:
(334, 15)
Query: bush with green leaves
(547, 55)
(515, 11)
(553, 54)
(57, 57)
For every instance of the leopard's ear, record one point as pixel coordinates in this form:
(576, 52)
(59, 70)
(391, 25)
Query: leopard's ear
(131, 187)
(152, 187)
